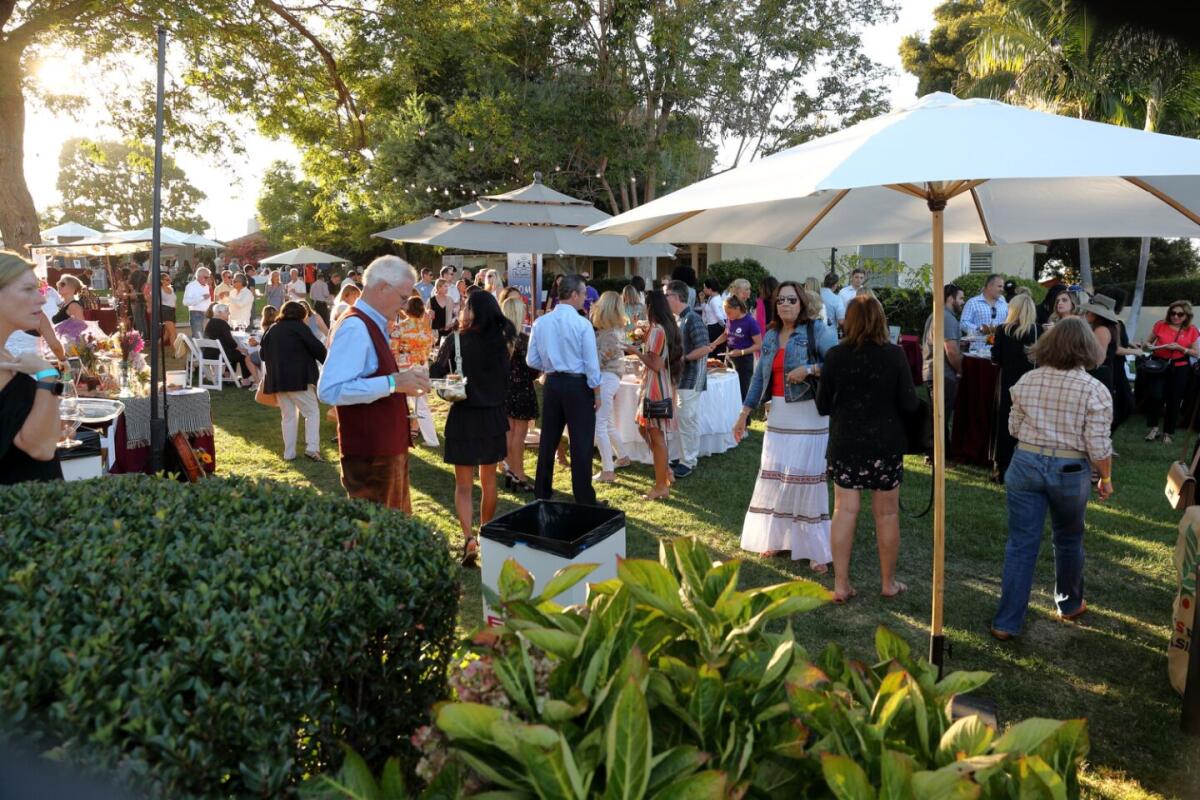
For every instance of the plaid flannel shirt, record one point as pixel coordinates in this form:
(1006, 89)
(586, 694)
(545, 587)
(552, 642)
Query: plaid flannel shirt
(1062, 409)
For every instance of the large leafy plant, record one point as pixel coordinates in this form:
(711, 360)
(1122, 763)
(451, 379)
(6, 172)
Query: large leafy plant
(672, 684)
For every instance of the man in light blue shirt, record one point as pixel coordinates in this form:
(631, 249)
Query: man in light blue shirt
(986, 311)
(424, 287)
(835, 306)
(562, 344)
(372, 422)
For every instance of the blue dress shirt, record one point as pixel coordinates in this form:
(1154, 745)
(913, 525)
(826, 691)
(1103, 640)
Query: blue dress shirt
(351, 359)
(564, 341)
(978, 313)
(835, 306)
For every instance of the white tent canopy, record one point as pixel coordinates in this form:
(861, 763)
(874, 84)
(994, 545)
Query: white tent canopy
(943, 170)
(532, 219)
(69, 230)
(114, 243)
(303, 255)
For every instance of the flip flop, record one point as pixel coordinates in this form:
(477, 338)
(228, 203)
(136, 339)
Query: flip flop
(901, 588)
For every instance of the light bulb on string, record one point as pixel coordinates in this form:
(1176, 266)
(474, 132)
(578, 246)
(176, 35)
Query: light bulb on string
(428, 189)
(516, 159)
(470, 147)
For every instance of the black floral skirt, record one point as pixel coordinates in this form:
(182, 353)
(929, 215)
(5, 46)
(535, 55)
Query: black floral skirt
(877, 474)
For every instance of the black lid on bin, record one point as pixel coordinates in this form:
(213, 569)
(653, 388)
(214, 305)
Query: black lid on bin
(563, 529)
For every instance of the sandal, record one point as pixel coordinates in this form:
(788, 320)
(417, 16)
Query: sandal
(623, 463)
(314, 456)
(470, 556)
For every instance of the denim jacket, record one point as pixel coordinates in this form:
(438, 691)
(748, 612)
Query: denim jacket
(797, 354)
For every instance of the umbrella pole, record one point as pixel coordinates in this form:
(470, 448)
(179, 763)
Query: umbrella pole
(937, 641)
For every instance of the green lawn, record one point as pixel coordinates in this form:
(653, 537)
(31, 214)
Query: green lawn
(1110, 669)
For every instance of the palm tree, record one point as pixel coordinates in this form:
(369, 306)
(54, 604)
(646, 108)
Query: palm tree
(1159, 82)
(1047, 54)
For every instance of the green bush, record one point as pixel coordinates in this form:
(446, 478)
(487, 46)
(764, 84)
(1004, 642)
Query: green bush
(1164, 291)
(729, 270)
(908, 308)
(217, 639)
(671, 684)
(972, 285)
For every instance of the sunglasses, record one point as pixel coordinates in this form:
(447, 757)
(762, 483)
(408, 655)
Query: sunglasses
(1178, 313)
(786, 300)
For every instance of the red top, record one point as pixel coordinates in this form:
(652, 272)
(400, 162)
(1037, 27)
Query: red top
(1165, 334)
(777, 374)
(367, 430)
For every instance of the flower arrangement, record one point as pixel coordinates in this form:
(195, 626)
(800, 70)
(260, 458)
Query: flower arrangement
(129, 342)
(84, 347)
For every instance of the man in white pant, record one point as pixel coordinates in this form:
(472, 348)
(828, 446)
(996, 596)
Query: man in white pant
(694, 379)
(293, 405)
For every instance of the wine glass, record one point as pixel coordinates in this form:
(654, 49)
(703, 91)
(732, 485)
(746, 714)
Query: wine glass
(69, 415)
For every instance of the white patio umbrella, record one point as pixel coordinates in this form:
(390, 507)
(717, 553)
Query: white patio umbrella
(943, 170)
(197, 240)
(303, 255)
(533, 219)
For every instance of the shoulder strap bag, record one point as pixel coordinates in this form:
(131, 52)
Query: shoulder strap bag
(807, 388)
(664, 408)
(453, 387)
(1181, 475)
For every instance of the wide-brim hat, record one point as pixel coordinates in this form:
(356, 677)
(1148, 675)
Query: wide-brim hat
(1102, 306)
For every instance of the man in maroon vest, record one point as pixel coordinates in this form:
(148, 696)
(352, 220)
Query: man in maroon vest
(360, 378)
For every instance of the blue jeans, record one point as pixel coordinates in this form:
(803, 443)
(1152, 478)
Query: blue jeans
(1034, 483)
(197, 319)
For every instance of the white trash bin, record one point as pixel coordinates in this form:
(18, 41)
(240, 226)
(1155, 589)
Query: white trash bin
(544, 537)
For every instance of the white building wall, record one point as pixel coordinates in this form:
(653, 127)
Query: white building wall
(1010, 259)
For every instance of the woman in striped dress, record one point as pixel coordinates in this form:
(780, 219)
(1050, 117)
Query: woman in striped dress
(789, 510)
(663, 358)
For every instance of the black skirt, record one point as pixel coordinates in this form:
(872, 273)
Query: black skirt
(876, 474)
(475, 435)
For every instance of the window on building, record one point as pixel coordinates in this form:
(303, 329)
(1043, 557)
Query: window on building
(882, 257)
(982, 261)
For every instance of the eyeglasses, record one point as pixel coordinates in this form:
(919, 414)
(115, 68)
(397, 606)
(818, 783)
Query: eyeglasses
(790, 300)
(1177, 313)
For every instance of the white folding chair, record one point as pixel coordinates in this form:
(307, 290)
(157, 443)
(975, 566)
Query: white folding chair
(184, 346)
(217, 366)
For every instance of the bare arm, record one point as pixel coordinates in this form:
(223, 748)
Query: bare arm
(46, 329)
(954, 356)
(38, 435)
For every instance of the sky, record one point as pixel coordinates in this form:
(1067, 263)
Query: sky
(232, 189)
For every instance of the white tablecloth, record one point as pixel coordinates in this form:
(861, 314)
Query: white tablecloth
(720, 405)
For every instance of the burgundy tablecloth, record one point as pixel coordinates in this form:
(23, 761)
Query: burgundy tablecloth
(106, 318)
(137, 459)
(911, 345)
(974, 412)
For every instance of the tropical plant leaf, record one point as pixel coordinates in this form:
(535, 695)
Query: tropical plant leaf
(889, 646)
(846, 779)
(896, 773)
(628, 745)
(967, 737)
(650, 583)
(564, 579)
(515, 582)
(673, 765)
(959, 683)
(777, 667)
(944, 784)
(707, 785)
(1026, 736)
(555, 642)
(470, 721)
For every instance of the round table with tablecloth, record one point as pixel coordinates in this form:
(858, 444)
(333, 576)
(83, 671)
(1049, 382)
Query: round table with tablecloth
(720, 405)
(189, 412)
(975, 411)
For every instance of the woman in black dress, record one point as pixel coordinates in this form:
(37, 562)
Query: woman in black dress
(521, 401)
(70, 289)
(1019, 331)
(441, 304)
(866, 389)
(477, 427)
(29, 386)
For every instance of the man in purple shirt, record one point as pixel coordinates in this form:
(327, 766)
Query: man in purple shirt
(591, 295)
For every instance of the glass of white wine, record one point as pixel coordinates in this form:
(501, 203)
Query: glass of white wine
(69, 415)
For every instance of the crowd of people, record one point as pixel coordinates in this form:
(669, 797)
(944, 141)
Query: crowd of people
(820, 355)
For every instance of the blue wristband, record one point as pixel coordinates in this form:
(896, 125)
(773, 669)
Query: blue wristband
(46, 374)
(391, 384)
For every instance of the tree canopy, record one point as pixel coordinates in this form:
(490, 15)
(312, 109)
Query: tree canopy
(110, 185)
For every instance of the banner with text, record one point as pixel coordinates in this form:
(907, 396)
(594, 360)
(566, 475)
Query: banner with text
(525, 273)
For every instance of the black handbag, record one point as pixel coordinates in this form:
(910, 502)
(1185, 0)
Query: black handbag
(807, 388)
(1152, 365)
(665, 408)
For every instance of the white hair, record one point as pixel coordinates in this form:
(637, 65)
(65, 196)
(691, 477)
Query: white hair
(220, 308)
(389, 270)
(203, 272)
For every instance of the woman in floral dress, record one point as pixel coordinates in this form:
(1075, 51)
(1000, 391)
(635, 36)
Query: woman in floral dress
(663, 358)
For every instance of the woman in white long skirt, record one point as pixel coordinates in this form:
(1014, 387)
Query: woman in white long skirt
(789, 510)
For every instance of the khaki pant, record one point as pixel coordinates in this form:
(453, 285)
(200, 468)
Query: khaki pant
(292, 406)
(687, 414)
(380, 479)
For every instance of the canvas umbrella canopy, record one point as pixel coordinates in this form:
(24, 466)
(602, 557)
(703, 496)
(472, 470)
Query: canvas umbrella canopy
(943, 170)
(197, 240)
(303, 255)
(532, 219)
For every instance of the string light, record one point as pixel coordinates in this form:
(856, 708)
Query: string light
(428, 189)
(516, 159)
(470, 147)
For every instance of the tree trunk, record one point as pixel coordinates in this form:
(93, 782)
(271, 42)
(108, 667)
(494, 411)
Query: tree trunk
(18, 217)
(1139, 289)
(1085, 265)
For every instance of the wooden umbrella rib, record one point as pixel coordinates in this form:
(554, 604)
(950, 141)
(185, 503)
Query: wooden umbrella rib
(987, 232)
(964, 186)
(908, 189)
(1166, 198)
(837, 198)
(668, 224)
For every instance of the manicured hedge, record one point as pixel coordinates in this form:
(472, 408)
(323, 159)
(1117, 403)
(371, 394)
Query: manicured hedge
(1164, 291)
(217, 639)
(908, 308)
